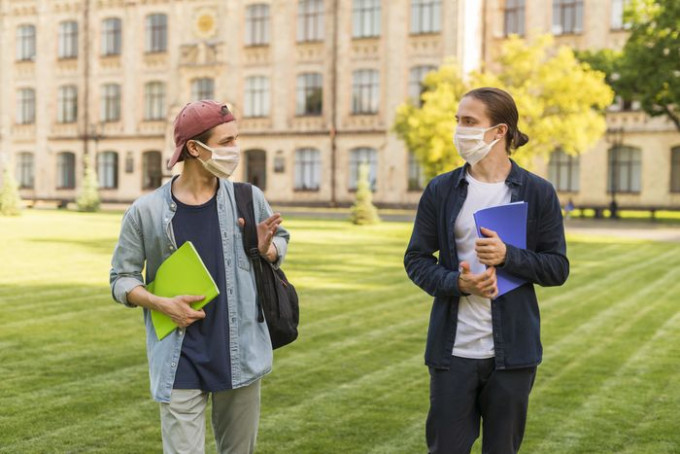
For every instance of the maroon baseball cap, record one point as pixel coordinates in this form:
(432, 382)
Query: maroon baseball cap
(196, 118)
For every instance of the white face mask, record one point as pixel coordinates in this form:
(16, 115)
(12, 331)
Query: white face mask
(224, 160)
(470, 143)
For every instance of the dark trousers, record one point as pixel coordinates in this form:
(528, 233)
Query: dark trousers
(472, 389)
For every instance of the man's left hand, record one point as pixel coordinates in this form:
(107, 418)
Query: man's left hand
(490, 250)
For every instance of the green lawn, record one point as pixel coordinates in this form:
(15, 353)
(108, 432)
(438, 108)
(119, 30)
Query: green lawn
(73, 365)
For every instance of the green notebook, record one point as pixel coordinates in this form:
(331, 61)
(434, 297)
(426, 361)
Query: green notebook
(183, 273)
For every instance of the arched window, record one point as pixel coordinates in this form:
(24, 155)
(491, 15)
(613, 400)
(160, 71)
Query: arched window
(154, 101)
(66, 170)
(25, 170)
(307, 169)
(563, 171)
(625, 169)
(107, 169)
(152, 173)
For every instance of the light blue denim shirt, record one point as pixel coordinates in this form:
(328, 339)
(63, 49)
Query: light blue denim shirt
(146, 238)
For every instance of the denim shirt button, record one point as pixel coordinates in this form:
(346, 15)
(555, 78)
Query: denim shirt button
(173, 364)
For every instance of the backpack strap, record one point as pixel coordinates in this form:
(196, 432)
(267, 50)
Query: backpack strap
(243, 193)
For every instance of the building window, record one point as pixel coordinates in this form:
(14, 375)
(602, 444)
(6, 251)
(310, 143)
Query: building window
(111, 36)
(68, 39)
(366, 18)
(365, 92)
(152, 173)
(66, 170)
(67, 104)
(675, 169)
(307, 169)
(26, 106)
(567, 16)
(618, 7)
(257, 25)
(26, 42)
(309, 94)
(625, 169)
(563, 171)
(358, 156)
(25, 170)
(425, 16)
(154, 101)
(156, 33)
(514, 17)
(310, 20)
(416, 176)
(415, 82)
(203, 88)
(257, 97)
(107, 169)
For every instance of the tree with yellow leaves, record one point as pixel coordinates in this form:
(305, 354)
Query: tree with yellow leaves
(561, 102)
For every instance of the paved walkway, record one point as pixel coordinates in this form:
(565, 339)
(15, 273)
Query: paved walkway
(642, 230)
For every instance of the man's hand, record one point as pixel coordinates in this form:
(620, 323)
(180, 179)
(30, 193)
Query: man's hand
(483, 284)
(490, 250)
(180, 311)
(265, 234)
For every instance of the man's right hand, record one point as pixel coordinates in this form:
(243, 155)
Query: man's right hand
(180, 311)
(482, 284)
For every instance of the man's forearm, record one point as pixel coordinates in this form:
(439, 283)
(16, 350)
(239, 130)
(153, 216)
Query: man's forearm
(140, 296)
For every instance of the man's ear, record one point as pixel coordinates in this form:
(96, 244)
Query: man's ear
(502, 131)
(193, 149)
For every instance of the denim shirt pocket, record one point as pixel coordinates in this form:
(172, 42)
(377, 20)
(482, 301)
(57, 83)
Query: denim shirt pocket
(243, 261)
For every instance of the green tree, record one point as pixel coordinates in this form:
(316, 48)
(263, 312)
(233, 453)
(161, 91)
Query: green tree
(363, 211)
(650, 65)
(560, 101)
(89, 197)
(10, 200)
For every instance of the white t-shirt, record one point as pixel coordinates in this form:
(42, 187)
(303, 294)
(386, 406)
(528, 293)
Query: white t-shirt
(474, 334)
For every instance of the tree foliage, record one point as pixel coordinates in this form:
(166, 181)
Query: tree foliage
(560, 101)
(89, 196)
(10, 200)
(363, 211)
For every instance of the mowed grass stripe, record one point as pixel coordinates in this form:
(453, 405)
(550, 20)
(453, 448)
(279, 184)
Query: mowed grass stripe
(635, 379)
(575, 377)
(616, 317)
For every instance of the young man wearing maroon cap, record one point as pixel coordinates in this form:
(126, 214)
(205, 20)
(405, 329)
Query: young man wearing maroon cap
(222, 350)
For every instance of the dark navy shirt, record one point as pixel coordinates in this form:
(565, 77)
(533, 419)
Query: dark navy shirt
(204, 363)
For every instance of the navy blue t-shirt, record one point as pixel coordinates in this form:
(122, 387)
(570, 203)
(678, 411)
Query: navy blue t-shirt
(204, 363)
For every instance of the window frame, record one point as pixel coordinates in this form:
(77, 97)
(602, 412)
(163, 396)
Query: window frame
(154, 100)
(25, 113)
(156, 33)
(257, 97)
(365, 92)
(257, 25)
(25, 170)
(559, 160)
(631, 165)
(567, 9)
(149, 180)
(309, 88)
(421, 10)
(354, 163)
(108, 169)
(307, 170)
(66, 167)
(26, 37)
(112, 37)
(111, 103)
(310, 21)
(516, 13)
(366, 19)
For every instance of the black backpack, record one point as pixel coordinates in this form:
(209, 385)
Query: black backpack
(277, 299)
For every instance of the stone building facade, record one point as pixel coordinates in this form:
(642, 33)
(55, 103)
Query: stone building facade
(313, 83)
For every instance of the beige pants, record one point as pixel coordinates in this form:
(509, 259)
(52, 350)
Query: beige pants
(235, 416)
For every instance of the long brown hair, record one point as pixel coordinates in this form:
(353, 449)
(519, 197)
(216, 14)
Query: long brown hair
(501, 108)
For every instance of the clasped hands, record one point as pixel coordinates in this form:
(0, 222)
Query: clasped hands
(491, 252)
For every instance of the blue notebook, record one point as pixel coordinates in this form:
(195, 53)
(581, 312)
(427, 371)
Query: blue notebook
(510, 222)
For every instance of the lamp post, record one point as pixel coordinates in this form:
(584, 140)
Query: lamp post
(615, 137)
